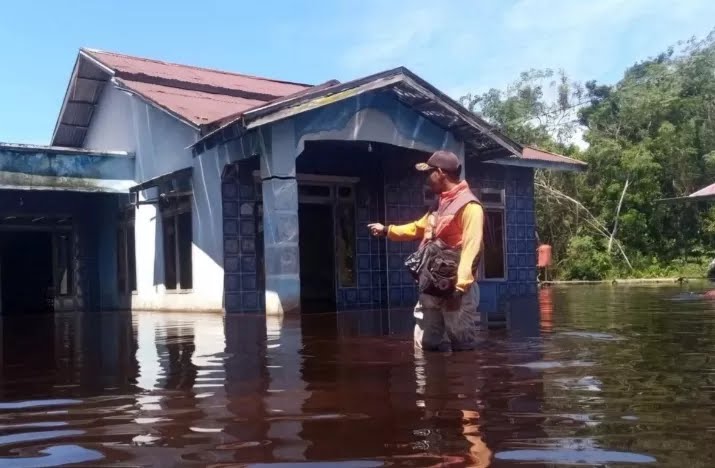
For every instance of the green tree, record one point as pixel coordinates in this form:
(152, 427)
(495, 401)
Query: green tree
(650, 136)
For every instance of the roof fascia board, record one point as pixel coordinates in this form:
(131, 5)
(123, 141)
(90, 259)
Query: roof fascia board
(554, 166)
(88, 55)
(425, 88)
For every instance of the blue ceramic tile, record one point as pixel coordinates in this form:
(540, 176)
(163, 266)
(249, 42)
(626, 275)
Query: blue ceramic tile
(532, 274)
(229, 191)
(230, 227)
(245, 210)
(510, 202)
(230, 264)
(363, 262)
(363, 215)
(363, 246)
(379, 262)
(248, 246)
(395, 262)
(233, 283)
(395, 278)
(230, 209)
(364, 279)
(513, 274)
(393, 214)
(521, 247)
(395, 296)
(247, 228)
(233, 302)
(502, 289)
(520, 232)
(533, 288)
(523, 275)
(230, 246)
(523, 289)
(523, 261)
(375, 247)
(249, 282)
(409, 296)
(246, 192)
(249, 300)
(365, 296)
(248, 264)
(351, 296)
(512, 260)
(513, 290)
(406, 214)
(392, 196)
(520, 217)
(407, 278)
(512, 245)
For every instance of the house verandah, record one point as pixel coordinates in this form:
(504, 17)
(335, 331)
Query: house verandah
(219, 191)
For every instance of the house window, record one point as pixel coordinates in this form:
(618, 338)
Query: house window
(494, 259)
(126, 255)
(176, 197)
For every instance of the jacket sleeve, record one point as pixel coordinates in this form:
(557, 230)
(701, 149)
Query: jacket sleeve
(408, 232)
(472, 217)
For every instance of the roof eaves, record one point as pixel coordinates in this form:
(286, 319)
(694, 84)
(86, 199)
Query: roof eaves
(70, 85)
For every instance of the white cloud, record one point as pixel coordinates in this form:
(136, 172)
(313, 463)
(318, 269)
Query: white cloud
(471, 46)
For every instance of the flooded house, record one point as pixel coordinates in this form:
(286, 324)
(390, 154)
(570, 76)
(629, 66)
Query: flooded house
(172, 187)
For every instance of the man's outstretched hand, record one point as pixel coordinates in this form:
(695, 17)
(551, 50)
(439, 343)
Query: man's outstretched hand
(377, 229)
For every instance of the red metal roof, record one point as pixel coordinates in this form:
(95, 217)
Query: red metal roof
(198, 95)
(706, 192)
(535, 154)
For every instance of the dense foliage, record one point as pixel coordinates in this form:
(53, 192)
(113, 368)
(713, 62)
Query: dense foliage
(651, 136)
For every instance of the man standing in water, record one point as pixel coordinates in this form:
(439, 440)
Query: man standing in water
(457, 221)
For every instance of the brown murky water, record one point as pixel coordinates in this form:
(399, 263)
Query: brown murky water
(607, 377)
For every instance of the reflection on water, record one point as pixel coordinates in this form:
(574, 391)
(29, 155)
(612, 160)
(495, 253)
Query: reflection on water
(606, 376)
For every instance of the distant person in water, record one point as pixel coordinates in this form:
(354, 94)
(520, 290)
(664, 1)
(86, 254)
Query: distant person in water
(451, 232)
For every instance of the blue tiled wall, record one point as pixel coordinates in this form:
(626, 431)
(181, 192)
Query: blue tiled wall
(520, 231)
(243, 290)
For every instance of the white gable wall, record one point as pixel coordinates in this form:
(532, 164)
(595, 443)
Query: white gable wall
(122, 121)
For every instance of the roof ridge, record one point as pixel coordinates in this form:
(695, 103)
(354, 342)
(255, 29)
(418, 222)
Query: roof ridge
(194, 67)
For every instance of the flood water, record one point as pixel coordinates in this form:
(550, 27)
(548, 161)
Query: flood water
(599, 376)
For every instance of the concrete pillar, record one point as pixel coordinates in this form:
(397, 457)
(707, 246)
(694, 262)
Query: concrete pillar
(280, 222)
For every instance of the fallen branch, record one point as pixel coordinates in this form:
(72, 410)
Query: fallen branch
(591, 220)
(618, 213)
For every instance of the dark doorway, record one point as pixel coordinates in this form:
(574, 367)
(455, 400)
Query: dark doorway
(317, 258)
(26, 272)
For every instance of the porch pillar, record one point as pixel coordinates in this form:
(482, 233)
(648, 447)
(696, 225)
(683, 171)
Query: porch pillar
(280, 222)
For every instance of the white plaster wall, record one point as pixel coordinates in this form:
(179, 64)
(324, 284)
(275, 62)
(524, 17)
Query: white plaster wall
(159, 142)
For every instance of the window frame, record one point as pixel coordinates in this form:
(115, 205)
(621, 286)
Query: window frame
(175, 201)
(498, 207)
(126, 229)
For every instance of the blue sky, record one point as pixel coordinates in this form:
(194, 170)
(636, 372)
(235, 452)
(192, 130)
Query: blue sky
(459, 46)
